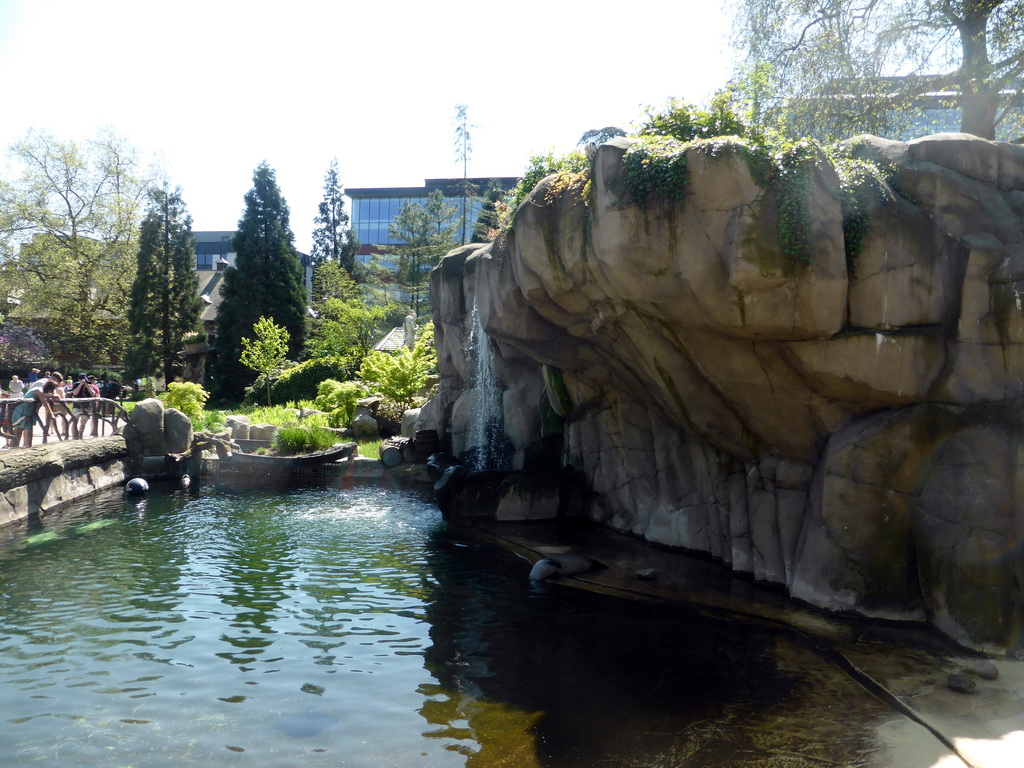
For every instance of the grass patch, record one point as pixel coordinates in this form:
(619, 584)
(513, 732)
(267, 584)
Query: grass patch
(292, 440)
(370, 449)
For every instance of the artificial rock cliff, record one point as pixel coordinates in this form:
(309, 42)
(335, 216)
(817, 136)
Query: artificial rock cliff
(850, 428)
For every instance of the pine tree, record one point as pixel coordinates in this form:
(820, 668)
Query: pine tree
(266, 281)
(164, 301)
(427, 231)
(333, 239)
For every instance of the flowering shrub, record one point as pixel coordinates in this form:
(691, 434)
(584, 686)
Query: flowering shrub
(19, 345)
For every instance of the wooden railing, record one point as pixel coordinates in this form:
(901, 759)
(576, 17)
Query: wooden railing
(74, 418)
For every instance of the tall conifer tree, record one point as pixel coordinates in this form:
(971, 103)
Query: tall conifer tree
(266, 281)
(164, 302)
(333, 239)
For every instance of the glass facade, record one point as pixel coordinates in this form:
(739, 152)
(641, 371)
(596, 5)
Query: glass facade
(210, 251)
(372, 216)
(373, 209)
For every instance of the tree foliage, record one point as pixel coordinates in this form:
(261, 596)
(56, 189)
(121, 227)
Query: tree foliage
(333, 239)
(427, 231)
(344, 323)
(463, 151)
(489, 219)
(20, 346)
(69, 222)
(267, 350)
(834, 68)
(164, 297)
(400, 375)
(266, 281)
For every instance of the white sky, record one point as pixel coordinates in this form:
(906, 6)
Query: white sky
(214, 87)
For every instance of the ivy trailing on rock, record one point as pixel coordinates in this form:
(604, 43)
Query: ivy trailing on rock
(794, 174)
(861, 183)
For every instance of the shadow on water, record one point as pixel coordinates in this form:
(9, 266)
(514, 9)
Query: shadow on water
(605, 681)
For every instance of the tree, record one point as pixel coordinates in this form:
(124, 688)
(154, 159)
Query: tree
(333, 239)
(428, 233)
(165, 301)
(463, 150)
(343, 321)
(266, 281)
(265, 353)
(489, 219)
(838, 67)
(70, 223)
(20, 346)
(599, 135)
(400, 375)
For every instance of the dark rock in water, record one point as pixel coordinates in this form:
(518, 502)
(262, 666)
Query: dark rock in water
(137, 485)
(985, 669)
(305, 725)
(960, 683)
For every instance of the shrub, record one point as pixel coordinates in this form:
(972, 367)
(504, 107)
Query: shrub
(573, 164)
(339, 400)
(399, 376)
(291, 440)
(684, 121)
(187, 397)
(301, 382)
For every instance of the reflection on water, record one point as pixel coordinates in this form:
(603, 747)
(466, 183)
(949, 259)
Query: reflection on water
(355, 628)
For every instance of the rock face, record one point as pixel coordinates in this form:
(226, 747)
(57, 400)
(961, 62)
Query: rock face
(850, 428)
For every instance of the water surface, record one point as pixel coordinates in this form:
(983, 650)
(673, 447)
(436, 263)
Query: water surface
(356, 628)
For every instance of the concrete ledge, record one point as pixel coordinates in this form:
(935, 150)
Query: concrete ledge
(38, 479)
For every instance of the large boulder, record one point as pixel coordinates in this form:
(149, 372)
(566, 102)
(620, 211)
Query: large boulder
(846, 427)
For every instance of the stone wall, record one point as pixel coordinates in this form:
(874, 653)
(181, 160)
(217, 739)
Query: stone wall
(849, 428)
(39, 479)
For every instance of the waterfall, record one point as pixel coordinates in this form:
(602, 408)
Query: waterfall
(485, 438)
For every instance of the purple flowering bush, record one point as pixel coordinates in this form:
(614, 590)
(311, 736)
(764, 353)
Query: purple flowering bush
(20, 345)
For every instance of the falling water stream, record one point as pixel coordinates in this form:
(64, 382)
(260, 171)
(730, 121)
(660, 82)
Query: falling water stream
(485, 426)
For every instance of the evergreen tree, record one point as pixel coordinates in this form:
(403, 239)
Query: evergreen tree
(463, 150)
(164, 300)
(489, 219)
(428, 232)
(266, 281)
(333, 239)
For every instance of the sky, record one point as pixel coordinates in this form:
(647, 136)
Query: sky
(211, 89)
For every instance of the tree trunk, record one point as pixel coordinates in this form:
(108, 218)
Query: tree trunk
(979, 96)
(979, 114)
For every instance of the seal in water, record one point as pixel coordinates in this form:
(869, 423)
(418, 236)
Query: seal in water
(561, 565)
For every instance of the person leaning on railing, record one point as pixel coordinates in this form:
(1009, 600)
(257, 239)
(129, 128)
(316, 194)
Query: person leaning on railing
(38, 397)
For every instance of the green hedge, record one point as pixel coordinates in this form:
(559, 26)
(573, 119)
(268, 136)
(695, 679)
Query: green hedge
(302, 381)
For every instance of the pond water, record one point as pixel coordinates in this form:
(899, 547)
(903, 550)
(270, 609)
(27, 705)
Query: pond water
(355, 628)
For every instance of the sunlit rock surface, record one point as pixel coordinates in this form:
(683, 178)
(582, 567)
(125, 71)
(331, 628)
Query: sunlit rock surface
(849, 428)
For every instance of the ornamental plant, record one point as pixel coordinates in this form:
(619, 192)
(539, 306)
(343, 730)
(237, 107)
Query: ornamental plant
(186, 396)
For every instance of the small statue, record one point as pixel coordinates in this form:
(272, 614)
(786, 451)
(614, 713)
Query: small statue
(410, 329)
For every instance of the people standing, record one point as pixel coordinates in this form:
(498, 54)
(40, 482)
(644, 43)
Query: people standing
(17, 386)
(82, 411)
(40, 395)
